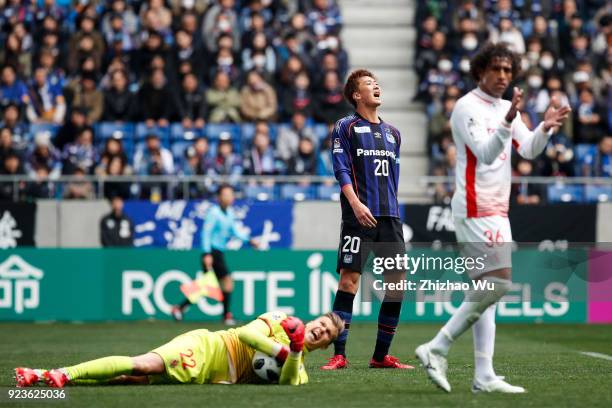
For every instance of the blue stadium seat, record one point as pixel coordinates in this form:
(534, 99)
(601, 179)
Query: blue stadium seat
(593, 193)
(107, 130)
(260, 193)
(248, 131)
(43, 127)
(560, 193)
(582, 150)
(178, 148)
(328, 192)
(296, 192)
(142, 131)
(177, 132)
(213, 130)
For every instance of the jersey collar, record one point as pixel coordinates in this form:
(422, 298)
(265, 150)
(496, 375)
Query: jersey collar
(371, 123)
(485, 96)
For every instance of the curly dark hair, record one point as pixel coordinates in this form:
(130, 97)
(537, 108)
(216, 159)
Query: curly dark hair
(352, 84)
(490, 51)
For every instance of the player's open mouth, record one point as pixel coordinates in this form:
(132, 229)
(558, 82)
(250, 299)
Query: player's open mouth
(377, 94)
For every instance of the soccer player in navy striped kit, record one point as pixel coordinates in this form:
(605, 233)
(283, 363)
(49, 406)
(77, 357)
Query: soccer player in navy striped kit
(365, 152)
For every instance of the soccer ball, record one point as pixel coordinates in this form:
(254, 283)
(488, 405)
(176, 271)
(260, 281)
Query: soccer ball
(266, 367)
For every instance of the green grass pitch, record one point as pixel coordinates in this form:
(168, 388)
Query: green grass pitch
(543, 358)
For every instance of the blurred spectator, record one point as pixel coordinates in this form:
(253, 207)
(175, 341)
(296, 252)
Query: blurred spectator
(192, 103)
(68, 133)
(41, 187)
(304, 163)
(439, 128)
(226, 62)
(599, 163)
(129, 19)
(526, 193)
(289, 136)
(590, 119)
(86, 43)
(186, 52)
(43, 155)
(85, 96)
(113, 148)
(257, 99)
(120, 103)
(11, 119)
(260, 159)
(196, 160)
(330, 104)
(324, 18)
(428, 57)
(226, 162)
(156, 17)
(11, 166)
(260, 56)
(12, 90)
(443, 191)
(297, 97)
(325, 166)
(118, 34)
(81, 154)
(116, 229)
(152, 158)
(507, 33)
(223, 100)
(156, 100)
(12, 54)
(220, 19)
(558, 157)
(7, 145)
(45, 102)
(117, 166)
(80, 188)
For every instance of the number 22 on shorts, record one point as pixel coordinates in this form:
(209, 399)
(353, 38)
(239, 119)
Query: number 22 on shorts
(186, 360)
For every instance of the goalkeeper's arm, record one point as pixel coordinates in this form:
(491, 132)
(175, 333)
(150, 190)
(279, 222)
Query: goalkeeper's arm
(290, 374)
(255, 334)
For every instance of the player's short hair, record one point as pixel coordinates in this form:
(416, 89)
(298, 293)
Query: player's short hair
(223, 187)
(352, 84)
(336, 320)
(481, 61)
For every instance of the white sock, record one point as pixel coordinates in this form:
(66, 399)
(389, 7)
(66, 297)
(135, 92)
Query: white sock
(484, 345)
(459, 322)
(474, 304)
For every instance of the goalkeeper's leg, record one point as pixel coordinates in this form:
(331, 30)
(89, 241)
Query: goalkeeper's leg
(110, 368)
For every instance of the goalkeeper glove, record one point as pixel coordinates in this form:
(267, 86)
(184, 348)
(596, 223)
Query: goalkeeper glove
(295, 331)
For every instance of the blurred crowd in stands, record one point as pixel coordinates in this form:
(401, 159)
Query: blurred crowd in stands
(566, 49)
(166, 87)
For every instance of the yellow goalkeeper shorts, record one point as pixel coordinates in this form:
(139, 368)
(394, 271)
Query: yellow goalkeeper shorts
(196, 357)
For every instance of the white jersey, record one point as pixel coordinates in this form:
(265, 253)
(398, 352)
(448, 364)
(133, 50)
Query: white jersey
(484, 145)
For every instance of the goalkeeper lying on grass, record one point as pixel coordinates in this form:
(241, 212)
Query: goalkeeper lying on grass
(205, 357)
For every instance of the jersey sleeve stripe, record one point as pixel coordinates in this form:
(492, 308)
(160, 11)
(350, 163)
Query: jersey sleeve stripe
(470, 184)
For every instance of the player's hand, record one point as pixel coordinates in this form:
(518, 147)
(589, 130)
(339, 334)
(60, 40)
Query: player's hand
(208, 262)
(295, 331)
(555, 114)
(364, 216)
(517, 99)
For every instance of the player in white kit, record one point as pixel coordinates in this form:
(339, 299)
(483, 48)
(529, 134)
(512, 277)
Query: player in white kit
(485, 128)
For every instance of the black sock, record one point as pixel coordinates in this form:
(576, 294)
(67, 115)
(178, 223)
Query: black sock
(388, 317)
(343, 307)
(226, 303)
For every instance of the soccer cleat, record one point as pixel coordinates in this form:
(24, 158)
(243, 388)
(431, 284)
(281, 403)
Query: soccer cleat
(228, 319)
(496, 385)
(177, 313)
(337, 362)
(389, 362)
(435, 365)
(55, 378)
(25, 377)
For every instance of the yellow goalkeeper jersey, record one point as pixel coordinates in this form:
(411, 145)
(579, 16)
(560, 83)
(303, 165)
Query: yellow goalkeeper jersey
(260, 334)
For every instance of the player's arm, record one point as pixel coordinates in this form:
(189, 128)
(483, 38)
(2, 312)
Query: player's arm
(290, 373)
(207, 231)
(342, 163)
(255, 335)
(530, 144)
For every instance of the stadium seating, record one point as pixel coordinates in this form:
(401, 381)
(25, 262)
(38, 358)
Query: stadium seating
(560, 193)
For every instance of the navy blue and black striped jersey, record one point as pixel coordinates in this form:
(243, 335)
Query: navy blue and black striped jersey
(366, 155)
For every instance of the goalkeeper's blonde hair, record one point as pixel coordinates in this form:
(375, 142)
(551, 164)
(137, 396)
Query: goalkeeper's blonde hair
(336, 320)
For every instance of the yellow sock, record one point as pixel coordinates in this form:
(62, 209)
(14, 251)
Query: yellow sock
(101, 369)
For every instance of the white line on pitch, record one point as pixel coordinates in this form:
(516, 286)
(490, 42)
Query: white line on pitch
(596, 355)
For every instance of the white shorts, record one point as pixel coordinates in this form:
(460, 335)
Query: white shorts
(486, 237)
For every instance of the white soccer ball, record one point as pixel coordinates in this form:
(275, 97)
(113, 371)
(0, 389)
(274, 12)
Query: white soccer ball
(266, 367)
